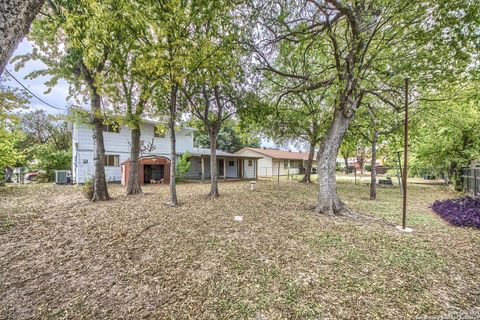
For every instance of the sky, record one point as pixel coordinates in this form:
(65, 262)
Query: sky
(58, 97)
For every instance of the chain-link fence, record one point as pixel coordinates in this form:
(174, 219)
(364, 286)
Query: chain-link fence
(471, 181)
(280, 171)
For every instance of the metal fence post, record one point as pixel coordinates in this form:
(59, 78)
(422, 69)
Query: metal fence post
(474, 182)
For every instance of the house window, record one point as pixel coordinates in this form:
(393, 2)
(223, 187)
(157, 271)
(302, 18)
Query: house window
(285, 164)
(250, 163)
(112, 160)
(231, 163)
(158, 132)
(111, 127)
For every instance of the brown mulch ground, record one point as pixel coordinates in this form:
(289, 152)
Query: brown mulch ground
(135, 257)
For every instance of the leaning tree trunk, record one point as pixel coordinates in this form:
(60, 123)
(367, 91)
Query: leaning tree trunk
(373, 174)
(308, 169)
(328, 201)
(346, 164)
(213, 164)
(100, 192)
(16, 16)
(173, 149)
(133, 186)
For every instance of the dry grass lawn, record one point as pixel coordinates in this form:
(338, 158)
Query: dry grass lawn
(62, 257)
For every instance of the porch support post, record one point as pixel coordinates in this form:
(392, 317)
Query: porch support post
(202, 169)
(224, 169)
(256, 169)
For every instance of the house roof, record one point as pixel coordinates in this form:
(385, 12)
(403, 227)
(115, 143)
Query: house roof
(197, 152)
(278, 154)
(220, 153)
(145, 118)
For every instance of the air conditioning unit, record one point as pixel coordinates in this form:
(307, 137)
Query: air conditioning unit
(63, 177)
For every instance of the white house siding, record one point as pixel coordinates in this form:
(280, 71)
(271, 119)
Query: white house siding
(268, 167)
(264, 164)
(248, 171)
(195, 171)
(231, 170)
(118, 144)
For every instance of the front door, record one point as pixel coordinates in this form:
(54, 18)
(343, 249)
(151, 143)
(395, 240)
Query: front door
(221, 168)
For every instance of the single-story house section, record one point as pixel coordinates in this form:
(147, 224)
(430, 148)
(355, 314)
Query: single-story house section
(277, 162)
(156, 169)
(229, 165)
(154, 164)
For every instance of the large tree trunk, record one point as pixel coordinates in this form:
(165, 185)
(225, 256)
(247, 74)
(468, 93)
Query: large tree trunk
(16, 16)
(100, 192)
(373, 174)
(346, 164)
(133, 186)
(308, 169)
(173, 147)
(328, 201)
(213, 164)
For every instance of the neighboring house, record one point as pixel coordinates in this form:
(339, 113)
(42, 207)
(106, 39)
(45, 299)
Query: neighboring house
(154, 165)
(275, 162)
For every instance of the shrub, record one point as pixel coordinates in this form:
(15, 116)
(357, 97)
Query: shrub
(87, 189)
(368, 167)
(463, 212)
(44, 177)
(183, 165)
(51, 159)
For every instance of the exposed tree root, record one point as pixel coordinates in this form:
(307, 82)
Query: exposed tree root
(134, 190)
(96, 198)
(343, 211)
(213, 195)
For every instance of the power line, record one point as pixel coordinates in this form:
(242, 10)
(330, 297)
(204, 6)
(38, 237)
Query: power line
(33, 94)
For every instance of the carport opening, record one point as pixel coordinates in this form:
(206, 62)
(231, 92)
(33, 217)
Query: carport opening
(153, 173)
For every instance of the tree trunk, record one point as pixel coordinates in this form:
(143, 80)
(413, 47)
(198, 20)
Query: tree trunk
(373, 174)
(361, 159)
(173, 149)
(16, 16)
(308, 169)
(346, 164)
(213, 164)
(100, 192)
(8, 174)
(328, 201)
(133, 187)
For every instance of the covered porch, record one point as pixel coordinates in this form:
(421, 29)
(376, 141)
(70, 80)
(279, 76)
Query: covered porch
(229, 166)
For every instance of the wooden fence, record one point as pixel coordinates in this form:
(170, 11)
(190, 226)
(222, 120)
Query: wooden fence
(471, 181)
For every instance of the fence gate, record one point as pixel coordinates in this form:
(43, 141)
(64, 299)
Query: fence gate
(471, 181)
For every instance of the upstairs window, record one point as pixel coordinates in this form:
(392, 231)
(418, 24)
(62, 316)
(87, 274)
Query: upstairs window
(231, 163)
(112, 160)
(250, 163)
(111, 127)
(158, 133)
(285, 164)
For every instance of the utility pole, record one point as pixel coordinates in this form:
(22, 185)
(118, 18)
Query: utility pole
(405, 159)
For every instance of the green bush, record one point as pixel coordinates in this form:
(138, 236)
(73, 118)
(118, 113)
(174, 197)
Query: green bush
(51, 159)
(368, 167)
(183, 165)
(45, 177)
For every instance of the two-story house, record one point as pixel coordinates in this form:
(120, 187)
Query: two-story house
(154, 164)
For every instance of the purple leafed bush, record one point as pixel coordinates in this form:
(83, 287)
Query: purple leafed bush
(463, 212)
